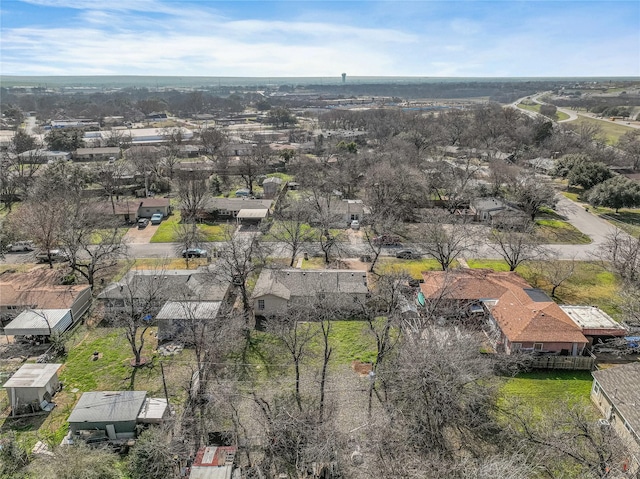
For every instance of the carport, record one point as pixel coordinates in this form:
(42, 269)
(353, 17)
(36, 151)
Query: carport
(252, 216)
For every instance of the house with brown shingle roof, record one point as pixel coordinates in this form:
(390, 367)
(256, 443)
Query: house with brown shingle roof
(40, 289)
(520, 317)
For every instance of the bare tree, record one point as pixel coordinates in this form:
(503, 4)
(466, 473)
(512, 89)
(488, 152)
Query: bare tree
(109, 177)
(532, 193)
(188, 236)
(445, 238)
(516, 245)
(193, 194)
(295, 334)
(93, 242)
(622, 254)
(569, 438)
(379, 229)
(292, 227)
(214, 143)
(240, 257)
(555, 272)
(133, 307)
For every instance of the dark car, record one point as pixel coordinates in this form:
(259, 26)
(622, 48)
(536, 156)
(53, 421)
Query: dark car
(407, 254)
(143, 222)
(194, 253)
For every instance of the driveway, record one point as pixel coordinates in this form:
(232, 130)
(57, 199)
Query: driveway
(140, 236)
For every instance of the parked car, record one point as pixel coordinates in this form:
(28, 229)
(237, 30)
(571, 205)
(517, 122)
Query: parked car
(387, 240)
(20, 246)
(407, 254)
(194, 253)
(156, 219)
(143, 222)
(355, 225)
(57, 255)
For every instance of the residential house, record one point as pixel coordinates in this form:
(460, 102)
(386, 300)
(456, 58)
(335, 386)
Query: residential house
(228, 208)
(616, 392)
(40, 289)
(44, 156)
(518, 316)
(113, 416)
(32, 387)
(175, 314)
(276, 290)
(342, 212)
(213, 462)
(150, 206)
(496, 212)
(97, 154)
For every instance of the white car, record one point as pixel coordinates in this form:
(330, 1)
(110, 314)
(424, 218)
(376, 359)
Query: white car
(20, 246)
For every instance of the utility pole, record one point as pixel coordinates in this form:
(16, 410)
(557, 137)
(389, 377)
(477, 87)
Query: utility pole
(164, 384)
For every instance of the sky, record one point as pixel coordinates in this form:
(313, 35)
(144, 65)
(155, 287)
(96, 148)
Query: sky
(504, 38)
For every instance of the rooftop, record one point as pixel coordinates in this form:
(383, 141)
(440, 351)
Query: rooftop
(287, 283)
(591, 317)
(39, 322)
(525, 314)
(620, 384)
(257, 213)
(189, 310)
(33, 376)
(102, 406)
(37, 289)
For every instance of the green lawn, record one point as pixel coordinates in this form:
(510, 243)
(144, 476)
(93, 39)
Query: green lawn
(166, 232)
(414, 267)
(350, 341)
(552, 231)
(111, 372)
(541, 390)
(611, 131)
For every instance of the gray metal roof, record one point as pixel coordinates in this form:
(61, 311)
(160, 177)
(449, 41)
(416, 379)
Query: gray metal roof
(237, 204)
(189, 310)
(256, 213)
(287, 283)
(39, 321)
(621, 384)
(175, 284)
(108, 406)
(33, 376)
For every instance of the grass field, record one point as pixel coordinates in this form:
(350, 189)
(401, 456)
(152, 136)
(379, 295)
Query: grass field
(560, 116)
(111, 372)
(541, 390)
(414, 267)
(553, 231)
(166, 232)
(611, 131)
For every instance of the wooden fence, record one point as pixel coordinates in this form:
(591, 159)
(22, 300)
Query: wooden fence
(586, 363)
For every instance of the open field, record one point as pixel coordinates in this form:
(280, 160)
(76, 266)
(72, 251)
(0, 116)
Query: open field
(552, 231)
(611, 131)
(167, 233)
(414, 267)
(535, 107)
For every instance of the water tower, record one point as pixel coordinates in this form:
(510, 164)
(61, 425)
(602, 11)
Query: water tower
(344, 77)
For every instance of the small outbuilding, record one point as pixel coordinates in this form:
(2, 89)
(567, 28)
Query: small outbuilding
(175, 315)
(213, 462)
(106, 415)
(39, 322)
(31, 388)
(271, 187)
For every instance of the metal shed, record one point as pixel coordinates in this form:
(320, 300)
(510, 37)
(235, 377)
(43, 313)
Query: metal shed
(39, 322)
(32, 385)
